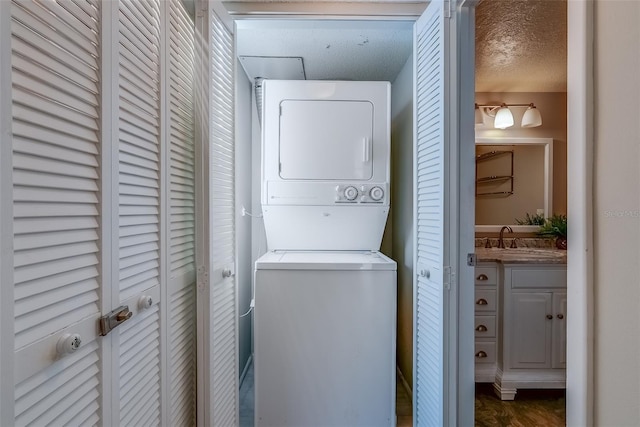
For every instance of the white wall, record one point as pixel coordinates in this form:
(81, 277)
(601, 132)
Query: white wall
(244, 267)
(402, 210)
(617, 213)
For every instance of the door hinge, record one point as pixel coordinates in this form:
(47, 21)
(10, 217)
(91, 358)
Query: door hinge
(202, 278)
(449, 277)
(114, 318)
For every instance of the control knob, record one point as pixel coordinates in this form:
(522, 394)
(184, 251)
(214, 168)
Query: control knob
(376, 193)
(350, 193)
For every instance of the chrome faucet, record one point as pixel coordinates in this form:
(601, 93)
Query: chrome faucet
(501, 238)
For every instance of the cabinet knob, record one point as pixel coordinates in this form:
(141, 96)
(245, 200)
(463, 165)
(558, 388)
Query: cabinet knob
(549, 316)
(481, 328)
(482, 277)
(482, 301)
(560, 316)
(481, 354)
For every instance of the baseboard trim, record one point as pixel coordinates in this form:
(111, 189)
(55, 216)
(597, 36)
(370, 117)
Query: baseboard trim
(404, 383)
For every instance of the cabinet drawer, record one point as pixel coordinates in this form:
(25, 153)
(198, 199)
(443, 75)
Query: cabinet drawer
(485, 326)
(486, 275)
(485, 300)
(539, 278)
(485, 352)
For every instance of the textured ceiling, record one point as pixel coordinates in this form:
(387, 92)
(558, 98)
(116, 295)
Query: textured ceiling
(521, 46)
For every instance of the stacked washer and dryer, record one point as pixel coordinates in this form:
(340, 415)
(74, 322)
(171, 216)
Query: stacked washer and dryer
(325, 297)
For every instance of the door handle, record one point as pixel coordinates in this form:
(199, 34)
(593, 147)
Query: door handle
(112, 319)
(366, 150)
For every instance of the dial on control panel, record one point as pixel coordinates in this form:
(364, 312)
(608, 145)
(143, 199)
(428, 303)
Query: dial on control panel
(376, 193)
(350, 193)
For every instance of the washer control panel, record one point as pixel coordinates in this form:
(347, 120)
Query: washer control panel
(360, 193)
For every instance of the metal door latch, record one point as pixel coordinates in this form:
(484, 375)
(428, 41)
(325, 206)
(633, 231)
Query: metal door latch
(471, 260)
(114, 318)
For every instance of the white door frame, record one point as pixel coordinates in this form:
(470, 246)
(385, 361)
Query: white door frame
(580, 325)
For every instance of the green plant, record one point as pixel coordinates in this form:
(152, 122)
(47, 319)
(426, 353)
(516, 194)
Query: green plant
(537, 219)
(556, 226)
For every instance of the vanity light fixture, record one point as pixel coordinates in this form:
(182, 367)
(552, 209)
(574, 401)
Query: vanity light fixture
(478, 116)
(503, 118)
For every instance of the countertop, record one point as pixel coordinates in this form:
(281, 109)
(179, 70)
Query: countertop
(521, 256)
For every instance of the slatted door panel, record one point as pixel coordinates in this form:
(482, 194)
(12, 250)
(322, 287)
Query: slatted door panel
(139, 357)
(181, 320)
(429, 122)
(56, 145)
(139, 218)
(224, 360)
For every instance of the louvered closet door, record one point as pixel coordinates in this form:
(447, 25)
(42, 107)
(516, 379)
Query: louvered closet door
(56, 146)
(430, 121)
(136, 342)
(181, 351)
(223, 326)
(103, 212)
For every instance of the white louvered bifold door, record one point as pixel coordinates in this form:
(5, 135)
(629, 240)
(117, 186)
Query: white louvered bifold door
(181, 341)
(222, 346)
(56, 174)
(136, 342)
(101, 208)
(431, 123)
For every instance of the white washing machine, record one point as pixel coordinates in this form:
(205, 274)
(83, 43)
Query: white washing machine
(324, 339)
(325, 298)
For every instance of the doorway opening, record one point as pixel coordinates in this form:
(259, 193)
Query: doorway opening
(325, 49)
(520, 352)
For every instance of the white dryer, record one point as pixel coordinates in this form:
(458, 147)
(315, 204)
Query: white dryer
(325, 164)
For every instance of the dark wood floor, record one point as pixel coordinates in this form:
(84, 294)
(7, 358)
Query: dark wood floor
(530, 408)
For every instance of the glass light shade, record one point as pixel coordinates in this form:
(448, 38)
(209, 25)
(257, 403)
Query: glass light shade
(504, 118)
(478, 116)
(531, 118)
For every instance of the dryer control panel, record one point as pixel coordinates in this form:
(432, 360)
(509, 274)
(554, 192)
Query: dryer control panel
(358, 193)
(327, 193)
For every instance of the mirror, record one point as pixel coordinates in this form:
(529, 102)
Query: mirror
(513, 179)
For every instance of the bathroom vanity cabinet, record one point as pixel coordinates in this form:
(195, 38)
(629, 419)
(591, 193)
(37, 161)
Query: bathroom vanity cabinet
(527, 347)
(487, 321)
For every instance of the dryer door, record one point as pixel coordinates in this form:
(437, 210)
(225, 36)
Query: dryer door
(326, 140)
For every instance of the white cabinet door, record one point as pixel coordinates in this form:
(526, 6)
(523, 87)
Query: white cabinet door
(559, 340)
(529, 329)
